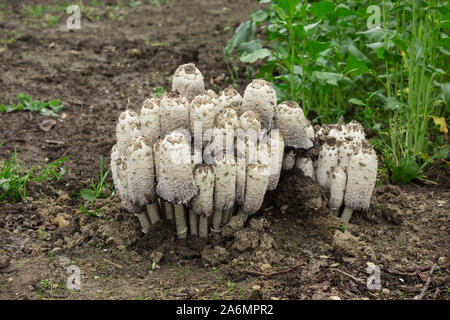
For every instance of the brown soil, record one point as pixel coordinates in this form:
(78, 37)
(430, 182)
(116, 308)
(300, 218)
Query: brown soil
(112, 64)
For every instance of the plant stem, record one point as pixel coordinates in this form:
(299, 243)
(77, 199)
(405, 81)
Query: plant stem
(193, 222)
(180, 221)
(203, 226)
(144, 221)
(217, 220)
(242, 214)
(152, 210)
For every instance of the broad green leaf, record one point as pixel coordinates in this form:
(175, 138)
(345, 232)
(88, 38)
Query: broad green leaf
(328, 77)
(254, 56)
(88, 194)
(321, 9)
(259, 16)
(243, 33)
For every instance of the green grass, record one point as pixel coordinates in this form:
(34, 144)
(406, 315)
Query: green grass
(26, 103)
(99, 189)
(14, 178)
(393, 79)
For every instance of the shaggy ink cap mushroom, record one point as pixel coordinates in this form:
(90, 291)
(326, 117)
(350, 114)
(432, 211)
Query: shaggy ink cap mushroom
(288, 160)
(141, 173)
(230, 98)
(176, 181)
(225, 182)
(150, 120)
(256, 185)
(306, 165)
(328, 159)
(297, 131)
(174, 110)
(202, 110)
(127, 128)
(361, 178)
(203, 202)
(188, 80)
(276, 143)
(260, 97)
(337, 188)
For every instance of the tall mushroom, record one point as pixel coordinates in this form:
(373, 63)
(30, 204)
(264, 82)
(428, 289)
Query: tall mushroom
(230, 98)
(328, 159)
(361, 178)
(188, 80)
(276, 143)
(126, 129)
(150, 120)
(294, 127)
(203, 202)
(176, 180)
(224, 187)
(141, 177)
(260, 97)
(337, 189)
(174, 109)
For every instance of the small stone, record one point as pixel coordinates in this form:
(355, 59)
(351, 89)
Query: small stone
(386, 291)
(335, 298)
(442, 260)
(10, 279)
(265, 267)
(60, 221)
(256, 287)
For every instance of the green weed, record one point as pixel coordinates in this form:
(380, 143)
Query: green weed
(26, 103)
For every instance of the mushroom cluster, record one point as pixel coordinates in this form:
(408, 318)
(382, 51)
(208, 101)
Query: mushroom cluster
(344, 163)
(198, 158)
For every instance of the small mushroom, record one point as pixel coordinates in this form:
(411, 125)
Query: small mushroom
(188, 80)
(288, 160)
(260, 97)
(328, 159)
(203, 202)
(276, 143)
(297, 131)
(337, 189)
(230, 98)
(150, 120)
(361, 178)
(306, 165)
(174, 110)
(127, 128)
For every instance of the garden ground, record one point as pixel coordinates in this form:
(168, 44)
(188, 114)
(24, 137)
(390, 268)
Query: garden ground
(113, 63)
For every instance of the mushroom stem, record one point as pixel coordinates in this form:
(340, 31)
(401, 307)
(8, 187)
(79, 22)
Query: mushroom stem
(334, 212)
(168, 209)
(203, 226)
(242, 214)
(346, 215)
(227, 215)
(217, 220)
(180, 221)
(193, 222)
(152, 210)
(144, 220)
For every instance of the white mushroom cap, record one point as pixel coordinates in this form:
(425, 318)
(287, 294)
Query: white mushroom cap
(250, 121)
(276, 143)
(354, 131)
(288, 160)
(260, 97)
(203, 110)
(307, 166)
(213, 95)
(141, 173)
(115, 171)
(361, 178)
(257, 182)
(225, 124)
(337, 188)
(230, 98)
(328, 159)
(225, 182)
(203, 203)
(121, 181)
(188, 80)
(346, 150)
(174, 110)
(295, 128)
(176, 179)
(150, 120)
(126, 130)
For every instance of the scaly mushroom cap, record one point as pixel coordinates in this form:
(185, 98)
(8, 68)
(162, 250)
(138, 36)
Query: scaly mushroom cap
(260, 97)
(225, 124)
(225, 182)
(176, 179)
(141, 173)
(122, 184)
(337, 188)
(288, 160)
(307, 166)
(361, 178)
(174, 110)
(250, 121)
(203, 203)
(354, 131)
(295, 128)
(257, 182)
(230, 98)
(328, 159)
(213, 95)
(150, 120)
(127, 129)
(115, 168)
(346, 150)
(276, 143)
(202, 111)
(188, 80)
